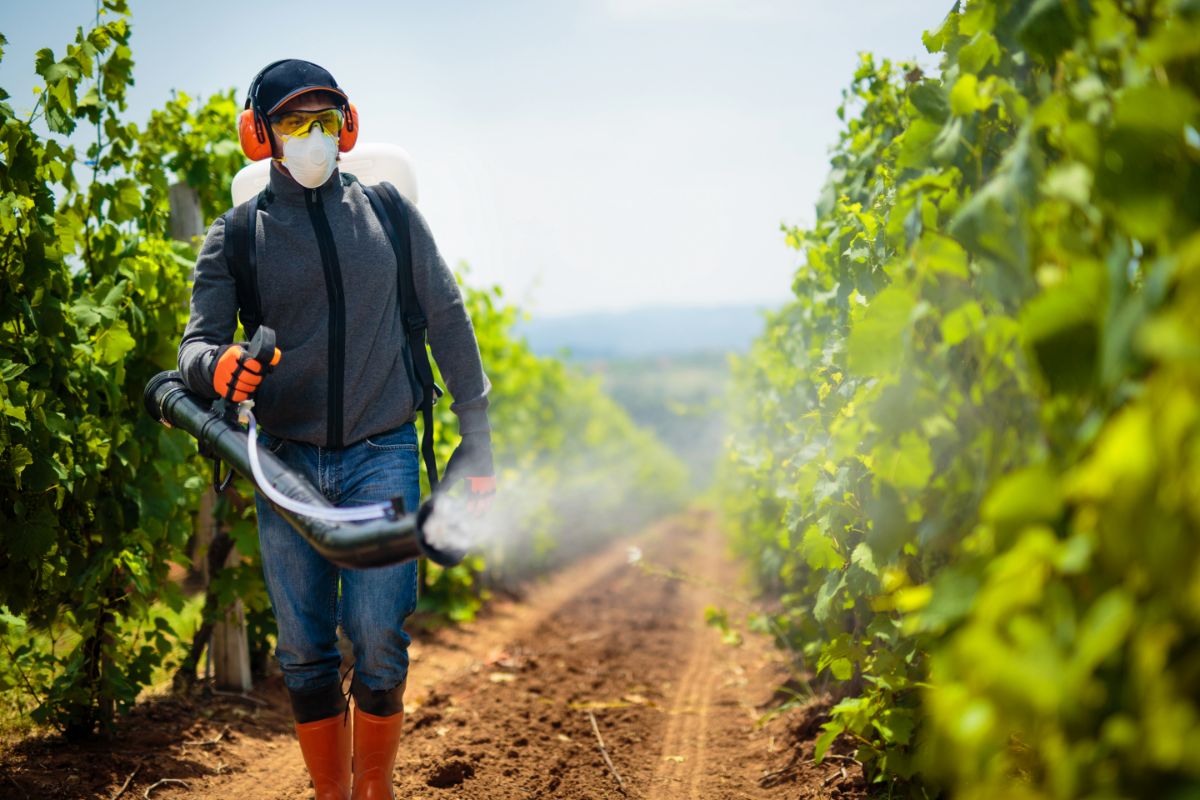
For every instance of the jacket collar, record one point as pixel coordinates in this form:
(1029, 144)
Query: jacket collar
(285, 190)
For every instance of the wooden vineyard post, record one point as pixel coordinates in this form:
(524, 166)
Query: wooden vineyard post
(186, 219)
(229, 648)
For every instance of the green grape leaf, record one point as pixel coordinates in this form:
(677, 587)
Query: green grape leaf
(820, 551)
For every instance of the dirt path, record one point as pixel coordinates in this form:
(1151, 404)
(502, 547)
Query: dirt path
(504, 708)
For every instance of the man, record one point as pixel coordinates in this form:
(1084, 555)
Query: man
(338, 407)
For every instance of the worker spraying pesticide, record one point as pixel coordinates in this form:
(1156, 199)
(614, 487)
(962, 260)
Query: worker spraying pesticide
(347, 280)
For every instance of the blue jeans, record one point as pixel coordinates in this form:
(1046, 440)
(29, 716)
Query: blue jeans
(303, 586)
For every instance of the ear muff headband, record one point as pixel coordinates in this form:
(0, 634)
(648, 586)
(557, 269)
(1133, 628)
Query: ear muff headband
(254, 130)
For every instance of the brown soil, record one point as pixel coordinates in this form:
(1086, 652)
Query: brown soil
(504, 707)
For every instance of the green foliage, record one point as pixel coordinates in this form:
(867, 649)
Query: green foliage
(95, 495)
(197, 145)
(97, 498)
(968, 465)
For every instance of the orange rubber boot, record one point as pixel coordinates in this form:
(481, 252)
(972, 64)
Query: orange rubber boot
(325, 745)
(375, 742)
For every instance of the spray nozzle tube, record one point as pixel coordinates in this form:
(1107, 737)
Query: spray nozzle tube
(362, 536)
(278, 499)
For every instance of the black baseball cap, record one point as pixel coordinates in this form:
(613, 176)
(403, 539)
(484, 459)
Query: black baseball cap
(283, 80)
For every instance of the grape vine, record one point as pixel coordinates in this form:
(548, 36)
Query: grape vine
(968, 466)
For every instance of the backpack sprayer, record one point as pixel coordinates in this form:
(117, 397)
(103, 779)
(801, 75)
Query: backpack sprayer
(361, 536)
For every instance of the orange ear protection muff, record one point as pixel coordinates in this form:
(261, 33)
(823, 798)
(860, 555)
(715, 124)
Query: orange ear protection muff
(253, 138)
(254, 130)
(349, 133)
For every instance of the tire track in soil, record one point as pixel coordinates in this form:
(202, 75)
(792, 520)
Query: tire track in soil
(685, 741)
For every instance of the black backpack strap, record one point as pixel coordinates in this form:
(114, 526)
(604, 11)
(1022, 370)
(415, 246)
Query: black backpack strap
(241, 255)
(241, 259)
(393, 216)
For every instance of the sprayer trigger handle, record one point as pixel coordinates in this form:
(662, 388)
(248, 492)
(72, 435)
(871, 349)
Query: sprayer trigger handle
(262, 347)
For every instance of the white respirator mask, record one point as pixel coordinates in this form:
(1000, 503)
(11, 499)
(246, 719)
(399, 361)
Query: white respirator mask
(311, 156)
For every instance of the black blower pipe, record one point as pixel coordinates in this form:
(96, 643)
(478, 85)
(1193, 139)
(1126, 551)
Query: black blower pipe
(373, 543)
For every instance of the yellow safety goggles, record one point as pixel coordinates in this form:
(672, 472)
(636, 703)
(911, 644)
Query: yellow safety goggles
(299, 123)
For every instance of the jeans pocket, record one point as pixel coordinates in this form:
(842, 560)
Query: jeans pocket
(402, 438)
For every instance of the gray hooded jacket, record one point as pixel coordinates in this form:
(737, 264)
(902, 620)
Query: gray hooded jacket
(328, 287)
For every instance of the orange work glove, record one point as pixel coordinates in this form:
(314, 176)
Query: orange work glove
(236, 375)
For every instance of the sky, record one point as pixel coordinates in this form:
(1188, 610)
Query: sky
(584, 155)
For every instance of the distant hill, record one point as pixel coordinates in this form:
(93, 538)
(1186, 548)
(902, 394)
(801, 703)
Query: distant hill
(650, 331)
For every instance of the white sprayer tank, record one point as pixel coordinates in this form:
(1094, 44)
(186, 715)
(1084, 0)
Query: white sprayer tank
(371, 163)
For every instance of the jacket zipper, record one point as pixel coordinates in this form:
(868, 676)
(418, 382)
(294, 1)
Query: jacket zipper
(337, 316)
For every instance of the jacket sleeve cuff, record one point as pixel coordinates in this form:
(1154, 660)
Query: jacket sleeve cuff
(473, 420)
(197, 368)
